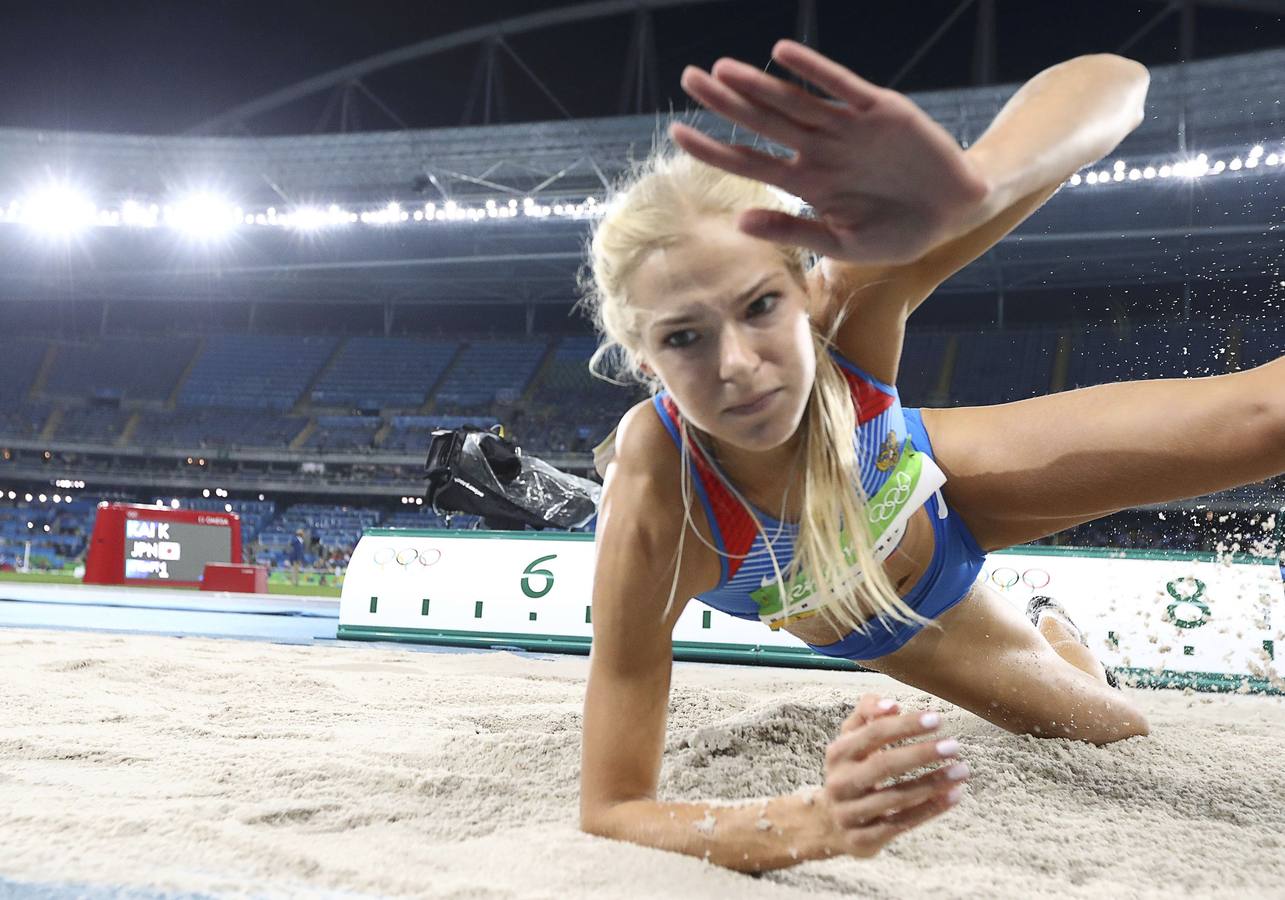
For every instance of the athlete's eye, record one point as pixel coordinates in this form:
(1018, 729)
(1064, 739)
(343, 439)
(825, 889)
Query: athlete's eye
(762, 305)
(681, 339)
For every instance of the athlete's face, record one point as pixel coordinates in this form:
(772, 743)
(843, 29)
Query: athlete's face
(725, 328)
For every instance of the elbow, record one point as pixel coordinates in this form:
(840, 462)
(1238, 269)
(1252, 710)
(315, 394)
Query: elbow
(592, 825)
(596, 819)
(1117, 68)
(1122, 65)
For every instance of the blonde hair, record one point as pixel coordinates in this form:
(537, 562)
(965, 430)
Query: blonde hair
(654, 208)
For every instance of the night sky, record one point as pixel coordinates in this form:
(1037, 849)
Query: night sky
(164, 66)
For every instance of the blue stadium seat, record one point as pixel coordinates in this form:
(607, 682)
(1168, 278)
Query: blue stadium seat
(131, 368)
(1261, 341)
(190, 429)
(382, 373)
(1149, 350)
(19, 364)
(1001, 366)
(484, 369)
(255, 371)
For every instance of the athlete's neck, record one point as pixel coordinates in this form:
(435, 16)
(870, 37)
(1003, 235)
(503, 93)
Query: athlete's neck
(762, 476)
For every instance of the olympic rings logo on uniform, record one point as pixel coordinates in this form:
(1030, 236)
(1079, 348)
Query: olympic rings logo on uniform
(1005, 578)
(889, 506)
(406, 557)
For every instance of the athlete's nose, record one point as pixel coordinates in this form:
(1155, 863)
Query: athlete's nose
(736, 356)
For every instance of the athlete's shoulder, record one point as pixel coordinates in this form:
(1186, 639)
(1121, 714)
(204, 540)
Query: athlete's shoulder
(642, 516)
(641, 447)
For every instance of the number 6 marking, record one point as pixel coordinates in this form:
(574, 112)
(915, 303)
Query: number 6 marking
(544, 573)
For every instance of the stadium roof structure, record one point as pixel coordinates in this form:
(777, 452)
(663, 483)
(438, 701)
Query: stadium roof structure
(1125, 229)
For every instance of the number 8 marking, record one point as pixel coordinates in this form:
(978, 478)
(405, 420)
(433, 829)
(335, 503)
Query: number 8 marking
(1193, 599)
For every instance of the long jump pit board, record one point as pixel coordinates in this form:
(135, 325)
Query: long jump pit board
(1159, 619)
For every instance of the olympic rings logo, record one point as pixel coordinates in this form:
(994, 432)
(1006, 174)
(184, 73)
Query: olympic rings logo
(888, 507)
(407, 557)
(1005, 578)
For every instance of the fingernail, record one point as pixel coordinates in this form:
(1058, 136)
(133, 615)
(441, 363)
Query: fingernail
(930, 720)
(954, 794)
(947, 747)
(885, 705)
(957, 772)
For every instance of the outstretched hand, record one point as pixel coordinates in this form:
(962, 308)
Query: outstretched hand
(868, 801)
(886, 182)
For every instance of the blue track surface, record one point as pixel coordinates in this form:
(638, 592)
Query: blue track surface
(298, 626)
(30, 890)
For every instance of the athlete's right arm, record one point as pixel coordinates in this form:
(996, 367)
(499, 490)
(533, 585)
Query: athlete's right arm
(639, 522)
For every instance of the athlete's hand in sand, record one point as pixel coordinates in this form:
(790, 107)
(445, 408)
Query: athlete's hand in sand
(885, 181)
(868, 800)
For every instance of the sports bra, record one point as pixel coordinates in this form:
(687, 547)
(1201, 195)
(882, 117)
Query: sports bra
(896, 478)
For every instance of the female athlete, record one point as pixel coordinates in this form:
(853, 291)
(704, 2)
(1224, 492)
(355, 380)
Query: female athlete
(763, 369)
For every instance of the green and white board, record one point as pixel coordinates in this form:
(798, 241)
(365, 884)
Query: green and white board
(1158, 619)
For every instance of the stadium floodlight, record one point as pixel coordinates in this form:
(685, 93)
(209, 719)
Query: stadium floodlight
(56, 209)
(309, 218)
(135, 215)
(305, 218)
(202, 216)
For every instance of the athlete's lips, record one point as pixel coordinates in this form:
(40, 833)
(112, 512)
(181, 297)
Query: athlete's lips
(753, 405)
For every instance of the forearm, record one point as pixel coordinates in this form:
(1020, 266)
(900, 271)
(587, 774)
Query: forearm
(1064, 118)
(756, 836)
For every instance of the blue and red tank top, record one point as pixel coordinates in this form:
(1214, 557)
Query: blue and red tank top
(746, 565)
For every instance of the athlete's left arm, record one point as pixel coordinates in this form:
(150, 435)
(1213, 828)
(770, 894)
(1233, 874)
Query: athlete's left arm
(1065, 118)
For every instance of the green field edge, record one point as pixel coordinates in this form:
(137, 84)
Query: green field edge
(285, 588)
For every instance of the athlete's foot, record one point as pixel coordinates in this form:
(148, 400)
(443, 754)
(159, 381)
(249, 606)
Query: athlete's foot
(1053, 622)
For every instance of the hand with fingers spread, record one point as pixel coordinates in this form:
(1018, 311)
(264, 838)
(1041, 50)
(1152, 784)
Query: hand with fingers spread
(886, 182)
(868, 800)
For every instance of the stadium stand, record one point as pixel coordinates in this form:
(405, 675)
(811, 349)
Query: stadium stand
(1151, 350)
(567, 376)
(58, 533)
(413, 432)
(19, 365)
(198, 428)
(484, 371)
(921, 363)
(1261, 341)
(226, 403)
(383, 373)
(331, 526)
(255, 371)
(25, 420)
(344, 433)
(92, 424)
(1000, 366)
(126, 368)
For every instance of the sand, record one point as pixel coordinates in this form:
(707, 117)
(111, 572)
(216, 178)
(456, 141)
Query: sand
(235, 768)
